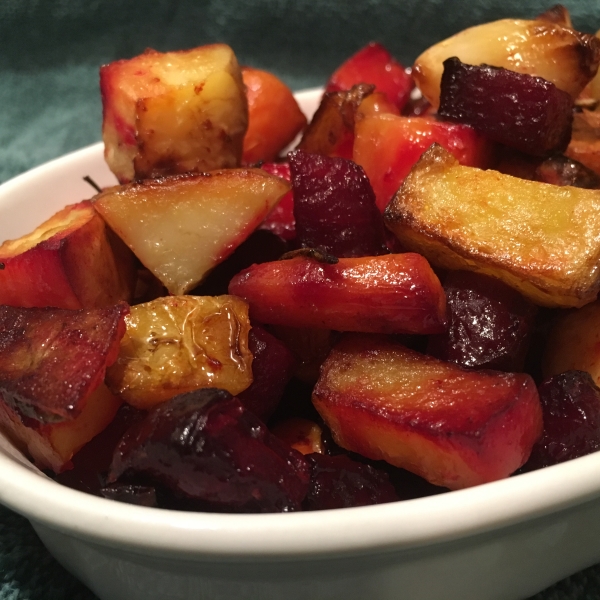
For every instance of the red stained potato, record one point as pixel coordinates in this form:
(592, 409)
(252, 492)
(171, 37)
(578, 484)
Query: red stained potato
(374, 64)
(388, 146)
(274, 117)
(173, 112)
(396, 293)
(456, 428)
(72, 260)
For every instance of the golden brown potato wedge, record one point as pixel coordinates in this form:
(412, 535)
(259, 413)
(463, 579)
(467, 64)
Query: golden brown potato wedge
(178, 344)
(454, 427)
(541, 239)
(565, 57)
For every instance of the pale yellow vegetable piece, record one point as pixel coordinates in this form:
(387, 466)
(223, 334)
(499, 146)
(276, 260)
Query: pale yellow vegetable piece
(181, 227)
(177, 344)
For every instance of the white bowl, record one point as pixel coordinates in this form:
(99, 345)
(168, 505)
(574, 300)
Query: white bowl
(503, 540)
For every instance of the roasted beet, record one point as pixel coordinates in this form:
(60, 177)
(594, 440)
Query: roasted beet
(522, 111)
(489, 323)
(281, 219)
(340, 482)
(272, 368)
(334, 206)
(206, 447)
(91, 463)
(571, 412)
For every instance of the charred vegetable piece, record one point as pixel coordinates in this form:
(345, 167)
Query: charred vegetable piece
(395, 293)
(177, 344)
(527, 113)
(334, 206)
(340, 482)
(541, 239)
(454, 427)
(571, 408)
(52, 365)
(489, 324)
(52, 359)
(374, 64)
(205, 446)
(331, 130)
(272, 368)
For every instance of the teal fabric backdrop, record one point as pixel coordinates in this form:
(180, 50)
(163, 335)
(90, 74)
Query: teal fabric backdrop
(50, 51)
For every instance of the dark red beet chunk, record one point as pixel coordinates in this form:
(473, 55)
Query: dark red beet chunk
(489, 323)
(571, 413)
(272, 368)
(334, 206)
(205, 446)
(281, 219)
(522, 111)
(91, 463)
(340, 482)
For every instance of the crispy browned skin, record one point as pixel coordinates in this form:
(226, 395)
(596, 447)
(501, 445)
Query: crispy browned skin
(52, 359)
(331, 130)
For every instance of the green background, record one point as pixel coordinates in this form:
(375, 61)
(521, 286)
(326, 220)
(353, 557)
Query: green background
(50, 52)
